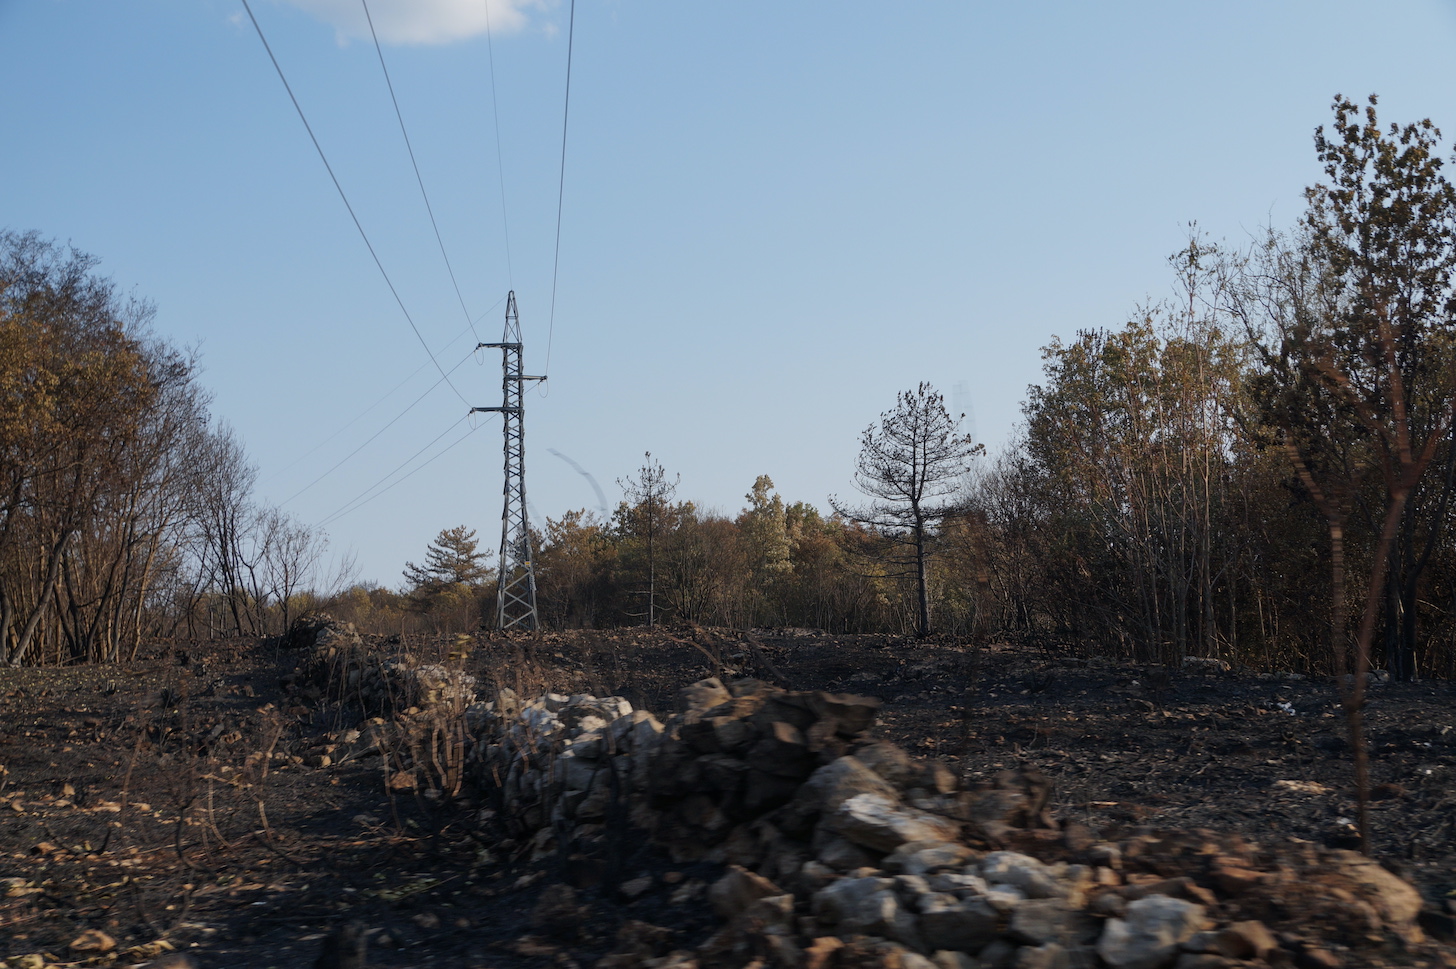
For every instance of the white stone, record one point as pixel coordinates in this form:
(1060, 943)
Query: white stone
(875, 821)
(1021, 872)
(589, 724)
(838, 901)
(1004, 898)
(957, 883)
(917, 858)
(838, 781)
(1150, 935)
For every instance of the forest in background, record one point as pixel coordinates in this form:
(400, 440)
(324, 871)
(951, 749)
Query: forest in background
(1259, 469)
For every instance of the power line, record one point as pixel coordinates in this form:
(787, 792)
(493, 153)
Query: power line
(359, 500)
(499, 163)
(369, 440)
(357, 224)
(561, 185)
(387, 394)
(418, 178)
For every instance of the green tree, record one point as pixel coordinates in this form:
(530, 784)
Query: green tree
(765, 530)
(454, 563)
(909, 467)
(643, 519)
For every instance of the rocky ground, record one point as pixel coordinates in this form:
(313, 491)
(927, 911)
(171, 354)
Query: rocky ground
(214, 800)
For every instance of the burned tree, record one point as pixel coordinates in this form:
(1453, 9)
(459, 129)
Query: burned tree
(909, 466)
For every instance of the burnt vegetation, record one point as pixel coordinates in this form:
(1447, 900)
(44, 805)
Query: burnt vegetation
(1193, 631)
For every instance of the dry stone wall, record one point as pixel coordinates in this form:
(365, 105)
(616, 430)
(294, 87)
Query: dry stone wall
(337, 664)
(843, 851)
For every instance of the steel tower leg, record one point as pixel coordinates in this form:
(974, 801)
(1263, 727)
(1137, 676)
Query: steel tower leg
(516, 591)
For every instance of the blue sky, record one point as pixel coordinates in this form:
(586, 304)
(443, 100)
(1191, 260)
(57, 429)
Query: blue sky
(776, 215)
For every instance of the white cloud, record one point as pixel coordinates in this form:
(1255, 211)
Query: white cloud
(421, 21)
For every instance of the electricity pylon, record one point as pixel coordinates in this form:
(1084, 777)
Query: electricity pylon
(516, 591)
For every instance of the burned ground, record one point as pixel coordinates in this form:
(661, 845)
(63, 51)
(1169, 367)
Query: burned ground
(209, 798)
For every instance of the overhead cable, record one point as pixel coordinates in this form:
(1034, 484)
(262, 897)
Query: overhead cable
(387, 394)
(561, 185)
(499, 164)
(371, 437)
(357, 224)
(418, 178)
(360, 500)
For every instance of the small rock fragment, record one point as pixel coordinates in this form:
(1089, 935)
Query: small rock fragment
(92, 940)
(738, 889)
(1245, 940)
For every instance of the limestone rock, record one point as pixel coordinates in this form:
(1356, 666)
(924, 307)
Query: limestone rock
(762, 792)
(737, 890)
(1206, 960)
(946, 922)
(919, 857)
(1022, 872)
(853, 714)
(1395, 900)
(1234, 880)
(1048, 956)
(948, 959)
(936, 778)
(889, 761)
(839, 854)
(957, 883)
(1245, 940)
(994, 812)
(1150, 935)
(821, 951)
(878, 822)
(782, 752)
(698, 698)
(1037, 922)
(837, 902)
(881, 913)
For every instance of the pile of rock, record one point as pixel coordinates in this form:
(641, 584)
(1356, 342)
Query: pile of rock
(337, 665)
(559, 758)
(728, 757)
(411, 684)
(733, 755)
(320, 630)
(944, 904)
(845, 852)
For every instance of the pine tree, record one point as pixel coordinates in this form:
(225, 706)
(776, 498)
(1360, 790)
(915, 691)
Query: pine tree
(909, 467)
(452, 562)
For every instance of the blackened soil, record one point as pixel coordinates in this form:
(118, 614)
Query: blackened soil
(182, 800)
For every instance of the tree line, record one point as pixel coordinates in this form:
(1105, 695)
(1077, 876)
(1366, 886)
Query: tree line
(1259, 468)
(126, 509)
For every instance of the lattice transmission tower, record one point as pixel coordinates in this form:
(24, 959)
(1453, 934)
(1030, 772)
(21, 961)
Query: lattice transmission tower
(516, 595)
